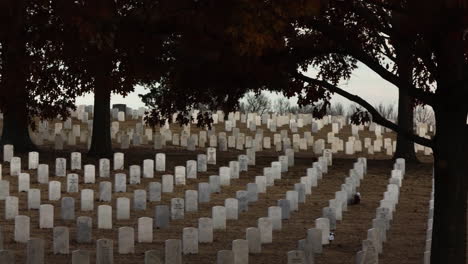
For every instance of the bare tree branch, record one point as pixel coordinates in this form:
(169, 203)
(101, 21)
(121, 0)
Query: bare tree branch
(376, 117)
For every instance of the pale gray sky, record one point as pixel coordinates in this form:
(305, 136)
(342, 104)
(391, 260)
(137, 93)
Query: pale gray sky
(363, 82)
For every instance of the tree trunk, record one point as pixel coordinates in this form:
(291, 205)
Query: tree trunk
(450, 151)
(15, 71)
(404, 147)
(15, 127)
(450, 194)
(101, 144)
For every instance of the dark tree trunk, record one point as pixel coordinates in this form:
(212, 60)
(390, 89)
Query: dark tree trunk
(450, 152)
(15, 113)
(450, 196)
(15, 71)
(101, 144)
(404, 147)
(15, 127)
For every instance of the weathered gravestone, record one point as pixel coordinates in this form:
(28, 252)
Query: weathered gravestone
(190, 240)
(232, 208)
(173, 251)
(104, 251)
(120, 182)
(314, 238)
(60, 167)
(240, 249)
(139, 200)
(123, 208)
(274, 213)
(177, 208)
(22, 228)
(201, 162)
(167, 183)
(34, 251)
(296, 257)
(67, 208)
(225, 257)
(104, 217)
(72, 183)
(80, 256)
(145, 230)
(191, 201)
(105, 191)
(135, 174)
(205, 230)
(148, 168)
(204, 192)
(214, 181)
(34, 199)
(305, 246)
(46, 216)
(153, 257)
(61, 240)
(219, 217)
(11, 207)
(126, 242)
(243, 202)
(330, 214)
(89, 173)
(4, 189)
(33, 160)
(324, 225)
(161, 219)
(155, 189)
(104, 167)
(84, 228)
(43, 173)
(266, 230)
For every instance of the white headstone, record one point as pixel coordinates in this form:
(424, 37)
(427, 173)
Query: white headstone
(145, 230)
(219, 217)
(104, 217)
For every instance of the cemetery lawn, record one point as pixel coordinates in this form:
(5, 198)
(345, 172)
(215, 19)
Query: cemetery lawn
(406, 237)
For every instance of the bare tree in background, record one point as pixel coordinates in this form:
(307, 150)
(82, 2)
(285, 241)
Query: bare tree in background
(282, 106)
(351, 110)
(337, 109)
(423, 114)
(306, 109)
(256, 104)
(387, 111)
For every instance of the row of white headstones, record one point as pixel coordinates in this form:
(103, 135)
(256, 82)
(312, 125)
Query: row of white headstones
(286, 159)
(331, 216)
(430, 220)
(62, 233)
(377, 235)
(135, 175)
(240, 140)
(188, 235)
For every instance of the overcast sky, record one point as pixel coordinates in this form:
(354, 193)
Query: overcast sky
(364, 83)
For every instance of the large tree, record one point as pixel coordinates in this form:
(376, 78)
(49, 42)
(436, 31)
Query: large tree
(113, 46)
(33, 81)
(223, 50)
(437, 55)
(367, 33)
